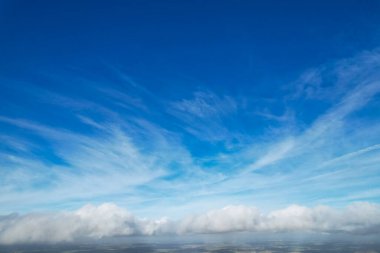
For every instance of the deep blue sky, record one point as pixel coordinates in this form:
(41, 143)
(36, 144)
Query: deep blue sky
(168, 106)
(215, 42)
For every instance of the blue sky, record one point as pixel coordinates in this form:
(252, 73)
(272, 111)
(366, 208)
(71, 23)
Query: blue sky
(169, 108)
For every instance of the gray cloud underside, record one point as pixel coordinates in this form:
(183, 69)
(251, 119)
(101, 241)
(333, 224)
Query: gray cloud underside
(108, 220)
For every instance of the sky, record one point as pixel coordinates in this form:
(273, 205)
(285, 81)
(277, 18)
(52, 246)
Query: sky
(153, 117)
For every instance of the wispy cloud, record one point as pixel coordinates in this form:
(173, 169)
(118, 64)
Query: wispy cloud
(143, 159)
(286, 116)
(335, 79)
(358, 93)
(94, 166)
(206, 105)
(205, 115)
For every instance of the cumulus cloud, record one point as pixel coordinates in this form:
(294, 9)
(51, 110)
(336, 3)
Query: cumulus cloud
(109, 220)
(88, 222)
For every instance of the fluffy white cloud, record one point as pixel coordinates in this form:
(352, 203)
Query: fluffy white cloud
(88, 222)
(108, 220)
(230, 218)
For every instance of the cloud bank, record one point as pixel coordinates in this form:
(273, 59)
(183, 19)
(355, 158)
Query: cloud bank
(109, 220)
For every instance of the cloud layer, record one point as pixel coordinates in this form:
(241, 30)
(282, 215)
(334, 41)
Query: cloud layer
(109, 220)
(312, 142)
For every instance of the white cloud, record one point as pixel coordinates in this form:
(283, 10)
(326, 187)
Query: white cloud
(205, 115)
(110, 163)
(230, 218)
(88, 222)
(355, 83)
(108, 220)
(332, 81)
(278, 152)
(206, 105)
(133, 161)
